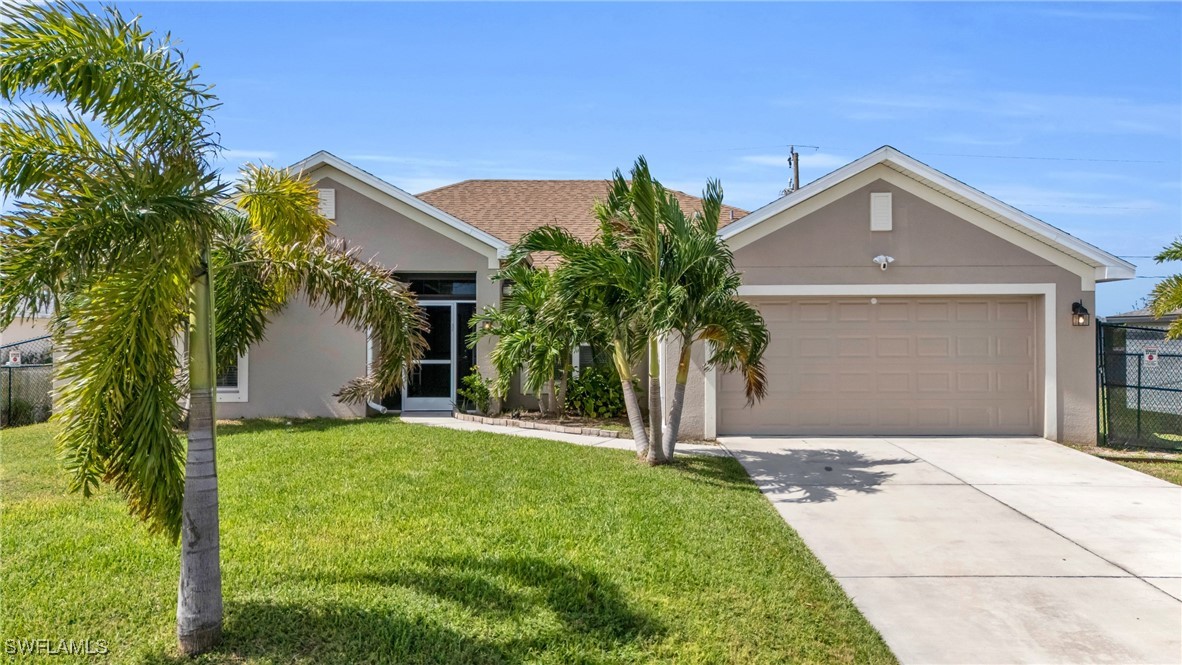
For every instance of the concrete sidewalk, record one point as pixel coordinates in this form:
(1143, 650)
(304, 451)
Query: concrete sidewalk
(986, 550)
(444, 419)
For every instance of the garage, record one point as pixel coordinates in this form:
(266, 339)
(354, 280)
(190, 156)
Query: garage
(894, 365)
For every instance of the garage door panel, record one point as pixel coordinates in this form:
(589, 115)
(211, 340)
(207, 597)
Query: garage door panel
(900, 366)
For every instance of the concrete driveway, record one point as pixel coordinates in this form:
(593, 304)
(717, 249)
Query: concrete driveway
(986, 550)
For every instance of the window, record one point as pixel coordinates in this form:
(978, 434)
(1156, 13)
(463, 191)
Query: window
(440, 286)
(231, 382)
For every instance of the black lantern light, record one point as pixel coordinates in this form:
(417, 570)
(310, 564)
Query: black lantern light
(1079, 314)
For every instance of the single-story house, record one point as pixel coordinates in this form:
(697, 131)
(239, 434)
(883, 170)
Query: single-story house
(899, 300)
(1144, 318)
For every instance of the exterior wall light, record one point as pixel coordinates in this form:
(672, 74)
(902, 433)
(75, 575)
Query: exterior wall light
(1079, 314)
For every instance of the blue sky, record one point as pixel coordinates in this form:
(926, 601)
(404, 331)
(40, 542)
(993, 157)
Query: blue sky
(427, 94)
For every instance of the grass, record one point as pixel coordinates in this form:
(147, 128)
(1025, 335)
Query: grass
(1168, 470)
(1158, 430)
(383, 542)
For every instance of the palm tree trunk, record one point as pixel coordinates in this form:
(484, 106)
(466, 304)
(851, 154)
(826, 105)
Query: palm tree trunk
(567, 368)
(199, 591)
(675, 408)
(551, 398)
(656, 453)
(631, 402)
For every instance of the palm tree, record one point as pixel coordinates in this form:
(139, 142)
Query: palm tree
(1167, 295)
(121, 222)
(534, 330)
(701, 303)
(653, 271)
(596, 277)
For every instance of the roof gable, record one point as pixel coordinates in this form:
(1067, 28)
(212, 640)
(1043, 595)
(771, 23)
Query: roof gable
(420, 211)
(1091, 263)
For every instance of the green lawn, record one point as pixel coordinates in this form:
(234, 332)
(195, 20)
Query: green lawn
(1166, 470)
(378, 541)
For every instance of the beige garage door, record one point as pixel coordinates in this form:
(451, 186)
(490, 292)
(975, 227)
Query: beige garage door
(896, 366)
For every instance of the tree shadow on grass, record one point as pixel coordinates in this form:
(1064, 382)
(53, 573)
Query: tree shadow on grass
(515, 595)
(717, 470)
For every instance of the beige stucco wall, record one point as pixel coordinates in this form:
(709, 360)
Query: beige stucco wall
(307, 355)
(20, 330)
(834, 245)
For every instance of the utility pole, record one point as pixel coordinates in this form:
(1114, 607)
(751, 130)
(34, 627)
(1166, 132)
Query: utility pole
(795, 159)
(794, 162)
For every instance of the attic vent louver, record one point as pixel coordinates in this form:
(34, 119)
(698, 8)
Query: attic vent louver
(328, 203)
(880, 211)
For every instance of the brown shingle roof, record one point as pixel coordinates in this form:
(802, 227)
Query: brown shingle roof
(509, 208)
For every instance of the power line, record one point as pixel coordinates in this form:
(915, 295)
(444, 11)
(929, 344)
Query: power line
(1049, 159)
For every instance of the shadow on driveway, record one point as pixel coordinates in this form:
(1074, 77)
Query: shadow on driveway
(814, 475)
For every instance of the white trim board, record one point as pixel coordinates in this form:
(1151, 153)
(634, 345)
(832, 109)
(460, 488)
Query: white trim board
(1050, 330)
(1091, 263)
(411, 206)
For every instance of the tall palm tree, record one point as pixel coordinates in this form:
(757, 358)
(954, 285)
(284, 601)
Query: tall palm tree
(598, 278)
(653, 271)
(122, 224)
(1167, 295)
(701, 303)
(632, 219)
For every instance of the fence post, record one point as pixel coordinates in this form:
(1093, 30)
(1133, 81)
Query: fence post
(8, 401)
(1140, 357)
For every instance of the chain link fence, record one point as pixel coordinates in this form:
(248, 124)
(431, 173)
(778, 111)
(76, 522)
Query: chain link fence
(26, 379)
(1140, 387)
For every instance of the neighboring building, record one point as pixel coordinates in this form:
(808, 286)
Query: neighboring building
(967, 330)
(22, 330)
(1144, 317)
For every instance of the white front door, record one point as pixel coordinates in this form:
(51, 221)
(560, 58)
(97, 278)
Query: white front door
(430, 385)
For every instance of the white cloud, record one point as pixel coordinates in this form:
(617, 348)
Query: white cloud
(1095, 15)
(975, 141)
(247, 155)
(403, 160)
(816, 160)
(1024, 111)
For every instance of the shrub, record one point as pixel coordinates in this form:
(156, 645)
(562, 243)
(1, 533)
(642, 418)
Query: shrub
(475, 389)
(20, 412)
(595, 393)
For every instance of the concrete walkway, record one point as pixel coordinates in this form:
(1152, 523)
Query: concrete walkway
(987, 550)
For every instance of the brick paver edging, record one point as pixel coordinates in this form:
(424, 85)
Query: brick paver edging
(547, 427)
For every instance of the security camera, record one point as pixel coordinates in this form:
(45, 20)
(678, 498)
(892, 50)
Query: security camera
(883, 261)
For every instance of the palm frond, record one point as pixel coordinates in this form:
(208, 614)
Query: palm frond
(280, 206)
(120, 398)
(104, 66)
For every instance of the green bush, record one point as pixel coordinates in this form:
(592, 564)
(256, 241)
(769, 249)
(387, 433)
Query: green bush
(595, 393)
(20, 412)
(475, 390)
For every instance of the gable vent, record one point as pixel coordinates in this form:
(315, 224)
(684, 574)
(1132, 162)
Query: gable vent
(880, 211)
(328, 203)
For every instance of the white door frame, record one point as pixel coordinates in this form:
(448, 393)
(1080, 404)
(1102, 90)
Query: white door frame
(1050, 401)
(436, 403)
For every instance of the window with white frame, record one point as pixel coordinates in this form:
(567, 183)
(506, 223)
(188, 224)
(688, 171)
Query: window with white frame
(231, 382)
